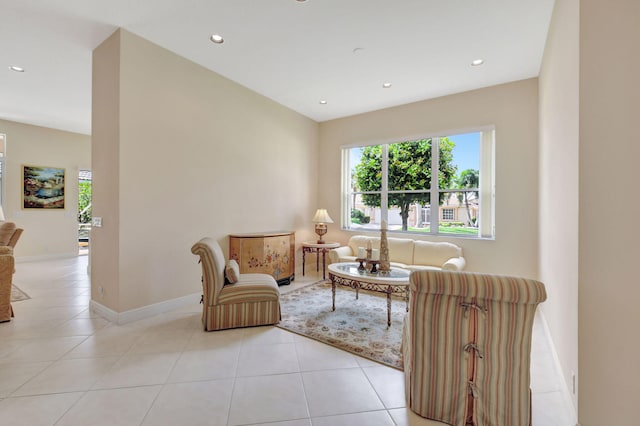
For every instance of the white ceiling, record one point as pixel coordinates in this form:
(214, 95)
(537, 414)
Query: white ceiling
(295, 53)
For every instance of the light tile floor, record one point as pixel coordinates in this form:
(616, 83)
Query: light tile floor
(60, 364)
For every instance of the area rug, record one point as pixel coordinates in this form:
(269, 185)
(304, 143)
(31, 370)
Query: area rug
(17, 294)
(357, 326)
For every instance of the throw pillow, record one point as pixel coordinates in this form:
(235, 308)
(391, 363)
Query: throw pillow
(232, 271)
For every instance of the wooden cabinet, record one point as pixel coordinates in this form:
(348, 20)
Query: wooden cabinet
(270, 253)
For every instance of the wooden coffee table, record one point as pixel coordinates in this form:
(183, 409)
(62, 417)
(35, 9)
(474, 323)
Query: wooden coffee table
(394, 282)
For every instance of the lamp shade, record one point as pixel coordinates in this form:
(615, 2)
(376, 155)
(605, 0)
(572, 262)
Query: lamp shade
(322, 217)
(1, 213)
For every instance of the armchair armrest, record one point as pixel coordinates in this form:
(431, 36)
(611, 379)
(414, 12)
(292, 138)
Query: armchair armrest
(336, 253)
(454, 264)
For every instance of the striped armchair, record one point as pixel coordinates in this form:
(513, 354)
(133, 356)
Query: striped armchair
(253, 300)
(467, 347)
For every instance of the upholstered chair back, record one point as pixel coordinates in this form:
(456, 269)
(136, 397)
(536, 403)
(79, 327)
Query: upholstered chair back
(437, 253)
(401, 250)
(213, 263)
(358, 241)
(9, 234)
(15, 237)
(467, 347)
(6, 275)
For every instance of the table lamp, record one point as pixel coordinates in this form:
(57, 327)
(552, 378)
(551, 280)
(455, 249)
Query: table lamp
(321, 219)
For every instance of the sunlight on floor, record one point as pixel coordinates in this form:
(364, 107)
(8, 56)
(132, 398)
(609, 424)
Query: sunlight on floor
(76, 368)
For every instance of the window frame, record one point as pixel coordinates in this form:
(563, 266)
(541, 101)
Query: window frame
(485, 190)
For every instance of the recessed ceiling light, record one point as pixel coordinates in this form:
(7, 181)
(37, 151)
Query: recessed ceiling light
(386, 85)
(216, 39)
(323, 102)
(301, 1)
(477, 62)
(16, 69)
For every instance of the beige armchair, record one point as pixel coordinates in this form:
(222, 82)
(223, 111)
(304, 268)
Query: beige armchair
(6, 275)
(253, 300)
(9, 234)
(467, 347)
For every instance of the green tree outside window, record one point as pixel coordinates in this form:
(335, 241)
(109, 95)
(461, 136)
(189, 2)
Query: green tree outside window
(409, 168)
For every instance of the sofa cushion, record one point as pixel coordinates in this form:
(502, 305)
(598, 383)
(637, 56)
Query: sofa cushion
(400, 250)
(361, 241)
(434, 254)
(250, 288)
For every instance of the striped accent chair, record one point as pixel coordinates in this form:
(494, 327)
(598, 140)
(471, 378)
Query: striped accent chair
(253, 300)
(467, 347)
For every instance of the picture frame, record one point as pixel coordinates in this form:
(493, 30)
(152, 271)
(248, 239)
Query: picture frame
(43, 187)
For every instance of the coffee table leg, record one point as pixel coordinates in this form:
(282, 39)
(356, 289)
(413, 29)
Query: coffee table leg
(303, 254)
(324, 262)
(333, 295)
(388, 309)
(406, 299)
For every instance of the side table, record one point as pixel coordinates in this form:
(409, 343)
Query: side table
(314, 247)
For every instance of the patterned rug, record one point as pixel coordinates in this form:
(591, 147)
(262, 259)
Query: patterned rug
(357, 326)
(17, 294)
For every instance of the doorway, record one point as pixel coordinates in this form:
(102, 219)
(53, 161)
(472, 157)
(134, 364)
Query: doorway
(84, 211)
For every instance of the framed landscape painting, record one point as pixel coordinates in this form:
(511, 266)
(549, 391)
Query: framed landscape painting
(42, 187)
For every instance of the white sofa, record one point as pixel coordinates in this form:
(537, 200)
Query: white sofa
(414, 255)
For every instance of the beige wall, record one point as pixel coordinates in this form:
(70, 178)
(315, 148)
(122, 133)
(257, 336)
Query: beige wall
(47, 233)
(559, 184)
(197, 155)
(105, 242)
(609, 316)
(512, 108)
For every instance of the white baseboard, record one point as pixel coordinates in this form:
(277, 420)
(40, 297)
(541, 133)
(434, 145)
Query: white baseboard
(24, 259)
(106, 313)
(145, 311)
(568, 400)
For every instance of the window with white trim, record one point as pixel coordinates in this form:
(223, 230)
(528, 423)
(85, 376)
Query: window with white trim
(449, 214)
(397, 182)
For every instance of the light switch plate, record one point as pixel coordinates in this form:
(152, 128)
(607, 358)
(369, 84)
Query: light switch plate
(96, 221)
